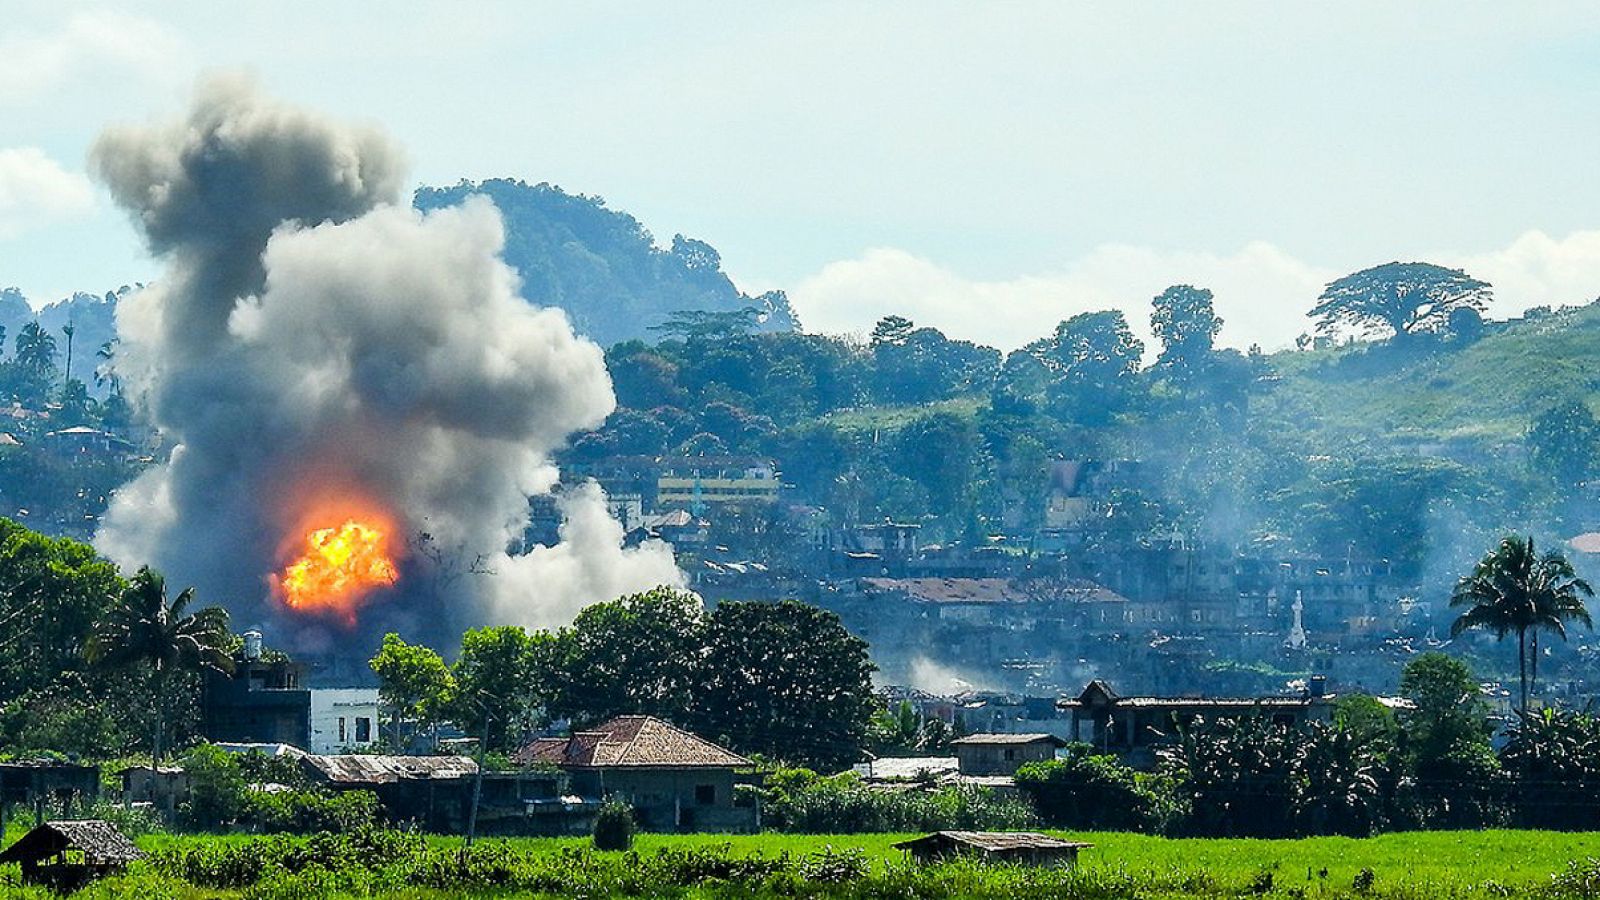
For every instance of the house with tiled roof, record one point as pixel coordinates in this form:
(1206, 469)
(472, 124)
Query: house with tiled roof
(674, 780)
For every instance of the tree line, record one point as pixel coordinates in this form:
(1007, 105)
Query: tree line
(780, 680)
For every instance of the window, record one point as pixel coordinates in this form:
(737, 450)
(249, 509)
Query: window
(705, 794)
(1010, 754)
(363, 730)
(342, 737)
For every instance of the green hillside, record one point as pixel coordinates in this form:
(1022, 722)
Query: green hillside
(1485, 392)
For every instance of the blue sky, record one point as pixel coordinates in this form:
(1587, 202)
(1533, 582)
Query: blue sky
(989, 168)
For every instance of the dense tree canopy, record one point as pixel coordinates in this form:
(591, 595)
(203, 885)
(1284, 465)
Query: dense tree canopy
(1401, 298)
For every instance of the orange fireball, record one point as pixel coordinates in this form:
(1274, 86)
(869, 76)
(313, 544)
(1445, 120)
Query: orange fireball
(338, 568)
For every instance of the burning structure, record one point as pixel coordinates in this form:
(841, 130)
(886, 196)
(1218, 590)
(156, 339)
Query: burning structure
(360, 402)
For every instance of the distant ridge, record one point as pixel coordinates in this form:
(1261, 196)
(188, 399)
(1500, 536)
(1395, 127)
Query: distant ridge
(603, 267)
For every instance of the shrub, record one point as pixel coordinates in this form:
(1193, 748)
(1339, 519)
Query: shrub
(1082, 790)
(216, 788)
(613, 826)
(308, 811)
(842, 805)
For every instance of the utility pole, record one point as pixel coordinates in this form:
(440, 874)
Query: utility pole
(477, 782)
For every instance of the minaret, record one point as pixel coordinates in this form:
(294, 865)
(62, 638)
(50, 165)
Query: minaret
(1297, 634)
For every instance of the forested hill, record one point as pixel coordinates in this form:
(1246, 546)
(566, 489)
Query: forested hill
(603, 267)
(1485, 391)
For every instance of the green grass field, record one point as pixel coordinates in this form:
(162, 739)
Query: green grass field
(1436, 864)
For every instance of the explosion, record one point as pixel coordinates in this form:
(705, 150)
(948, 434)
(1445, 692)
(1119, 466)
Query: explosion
(337, 570)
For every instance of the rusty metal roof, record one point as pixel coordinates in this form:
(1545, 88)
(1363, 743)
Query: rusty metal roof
(367, 769)
(994, 841)
(99, 841)
(636, 741)
(1011, 739)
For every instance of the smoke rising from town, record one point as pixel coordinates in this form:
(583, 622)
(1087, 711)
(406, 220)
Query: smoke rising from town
(315, 350)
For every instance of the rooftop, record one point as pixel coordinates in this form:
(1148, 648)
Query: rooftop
(372, 769)
(99, 841)
(997, 840)
(637, 741)
(991, 739)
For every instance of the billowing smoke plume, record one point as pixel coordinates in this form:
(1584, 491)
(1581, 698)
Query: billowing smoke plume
(316, 350)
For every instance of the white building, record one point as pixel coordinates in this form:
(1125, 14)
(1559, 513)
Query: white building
(343, 719)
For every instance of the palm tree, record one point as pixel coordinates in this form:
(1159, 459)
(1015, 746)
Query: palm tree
(143, 628)
(36, 349)
(1514, 590)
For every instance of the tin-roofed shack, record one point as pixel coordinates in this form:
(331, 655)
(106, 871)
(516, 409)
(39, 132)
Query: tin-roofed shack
(66, 855)
(430, 790)
(1028, 848)
(1003, 754)
(42, 784)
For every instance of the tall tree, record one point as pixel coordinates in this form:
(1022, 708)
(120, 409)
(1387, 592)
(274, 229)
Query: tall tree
(786, 680)
(1514, 590)
(1092, 359)
(497, 690)
(145, 629)
(1404, 298)
(638, 654)
(413, 681)
(1565, 442)
(1186, 322)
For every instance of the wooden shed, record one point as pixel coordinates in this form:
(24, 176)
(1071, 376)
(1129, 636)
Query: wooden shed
(66, 855)
(1028, 848)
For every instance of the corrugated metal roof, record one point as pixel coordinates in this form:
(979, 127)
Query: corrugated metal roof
(365, 769)
(995, 841)
(988, 739)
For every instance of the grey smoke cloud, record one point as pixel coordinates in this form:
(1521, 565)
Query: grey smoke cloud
(316, 350)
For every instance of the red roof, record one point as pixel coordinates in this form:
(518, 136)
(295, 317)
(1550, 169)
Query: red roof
(634, 741)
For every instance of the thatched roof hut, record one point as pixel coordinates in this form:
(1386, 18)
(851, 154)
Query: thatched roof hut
(68, 854)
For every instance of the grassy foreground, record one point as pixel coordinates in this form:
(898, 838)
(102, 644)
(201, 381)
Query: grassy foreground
(1414, 865)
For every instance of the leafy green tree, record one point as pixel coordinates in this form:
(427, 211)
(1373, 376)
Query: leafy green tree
(1338, 785)
(1092, 360)
(788, 681)
(896, 731)
(1514, 590)
(1565, 442)
(413, 681)
(498, 688)
(1186, 323)
(1083, 790)
(1403, 298)
(1238, 776)
(1553, 759)
(639, 654)
(145, 630)
(52, 593)
(1444, 734)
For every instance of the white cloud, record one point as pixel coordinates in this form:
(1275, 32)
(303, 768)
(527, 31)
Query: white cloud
(1537, 270)
(1262, 292)
(98, 43)
(35, 189)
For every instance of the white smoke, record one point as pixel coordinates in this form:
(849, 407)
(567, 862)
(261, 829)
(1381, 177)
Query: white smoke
(313, 347)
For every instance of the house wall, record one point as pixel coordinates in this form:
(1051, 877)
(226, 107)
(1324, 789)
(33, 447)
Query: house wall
(672, 799)
(1001, 759)
(341, 718)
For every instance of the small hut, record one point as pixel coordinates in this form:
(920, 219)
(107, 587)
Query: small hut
(1028, 848)
(66, 855)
